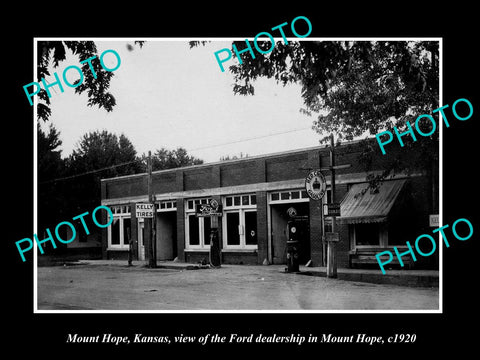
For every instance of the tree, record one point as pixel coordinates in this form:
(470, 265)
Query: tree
(51, 53)
(51, 203)
(356, 88)
(98, 155)
(234, 157)
(168, 159)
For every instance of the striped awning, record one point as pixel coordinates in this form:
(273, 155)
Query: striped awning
(361, 205)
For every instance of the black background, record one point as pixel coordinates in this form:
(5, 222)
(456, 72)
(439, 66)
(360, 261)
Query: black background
(455, 329)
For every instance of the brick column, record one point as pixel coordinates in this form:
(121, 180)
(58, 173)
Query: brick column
(180, 230)
(316, 232)
(262, 226)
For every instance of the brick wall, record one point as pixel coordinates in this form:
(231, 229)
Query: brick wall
(281, 167)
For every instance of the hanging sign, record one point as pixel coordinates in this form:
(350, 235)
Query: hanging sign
(332, 209)
(315, 185)
(144, 210)
(210, 209)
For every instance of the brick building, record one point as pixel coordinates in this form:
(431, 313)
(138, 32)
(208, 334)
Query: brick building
(256, 193)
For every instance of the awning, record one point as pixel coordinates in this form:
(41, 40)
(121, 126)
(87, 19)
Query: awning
(360, 205)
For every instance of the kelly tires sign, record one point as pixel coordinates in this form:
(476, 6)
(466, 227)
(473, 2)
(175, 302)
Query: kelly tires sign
(144, 210)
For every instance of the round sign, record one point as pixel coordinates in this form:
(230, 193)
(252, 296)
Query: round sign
(315, 185)
(214, 203)
(292, 212)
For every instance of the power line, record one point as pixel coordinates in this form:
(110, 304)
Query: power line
(248, 139)
(90, 172)
(195, 149)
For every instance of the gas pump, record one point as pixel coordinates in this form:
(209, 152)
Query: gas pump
(293, 243)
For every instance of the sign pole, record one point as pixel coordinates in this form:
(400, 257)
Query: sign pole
(152, 261)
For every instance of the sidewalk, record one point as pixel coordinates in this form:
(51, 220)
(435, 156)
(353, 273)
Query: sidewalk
(412, 278)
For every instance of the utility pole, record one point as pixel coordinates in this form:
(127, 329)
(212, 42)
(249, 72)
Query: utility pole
(332, 251)
(152, 261)
(333, 237)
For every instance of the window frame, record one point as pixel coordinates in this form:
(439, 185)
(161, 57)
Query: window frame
(120, 212)
(382, 237)
(204, 244)
(241, 210)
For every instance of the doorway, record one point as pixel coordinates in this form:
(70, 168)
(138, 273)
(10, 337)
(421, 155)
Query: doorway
(140, 237)
(281, 215)
(166, 235)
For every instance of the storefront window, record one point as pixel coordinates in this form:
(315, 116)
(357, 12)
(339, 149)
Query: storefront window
(251, 228)
(367, 234)
(193, 225)
(119, 233)
(233, 222)
(198, 228)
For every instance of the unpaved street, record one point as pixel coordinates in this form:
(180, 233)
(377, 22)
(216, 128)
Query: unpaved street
(232, 287)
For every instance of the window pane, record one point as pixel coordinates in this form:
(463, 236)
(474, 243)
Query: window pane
(285, 196)
(245, 200)
(367, 234)
(251, 228)
(233, 220)
(190, 204)
(229, 201)
(275, 196)
(236, 200)
(253, 199)
(206, 230)
(304, 194)
(193, 230)
(126, 230)
(162, 205)
(175, 204)
(116, 231)
(295, 195)
(169, 205)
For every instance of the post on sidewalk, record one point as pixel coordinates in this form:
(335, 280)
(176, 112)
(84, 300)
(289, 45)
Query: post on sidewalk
(152, 260)
(333, 237)
(215, 259)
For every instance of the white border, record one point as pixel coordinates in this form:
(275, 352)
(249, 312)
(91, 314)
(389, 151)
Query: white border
(35, 143)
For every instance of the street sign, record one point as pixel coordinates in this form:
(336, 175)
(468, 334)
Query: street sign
(332, 236)
(315, 185)
(332, 209)
(210, 209)
(433, 220)
(144, 210)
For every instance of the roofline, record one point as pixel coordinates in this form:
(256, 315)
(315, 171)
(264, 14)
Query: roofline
(249, 158)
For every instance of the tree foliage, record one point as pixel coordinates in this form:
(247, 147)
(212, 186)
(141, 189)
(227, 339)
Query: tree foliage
(355, 88)
(52, 53)
(98, 154)
(168, 159)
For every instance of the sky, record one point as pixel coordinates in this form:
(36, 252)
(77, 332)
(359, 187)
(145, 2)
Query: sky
(169, 95)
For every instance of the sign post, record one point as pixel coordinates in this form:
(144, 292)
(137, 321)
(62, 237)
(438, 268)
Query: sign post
(332, 239)
(152, 248)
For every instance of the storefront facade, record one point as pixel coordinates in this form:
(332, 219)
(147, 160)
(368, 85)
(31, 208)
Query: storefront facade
(259, 196)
